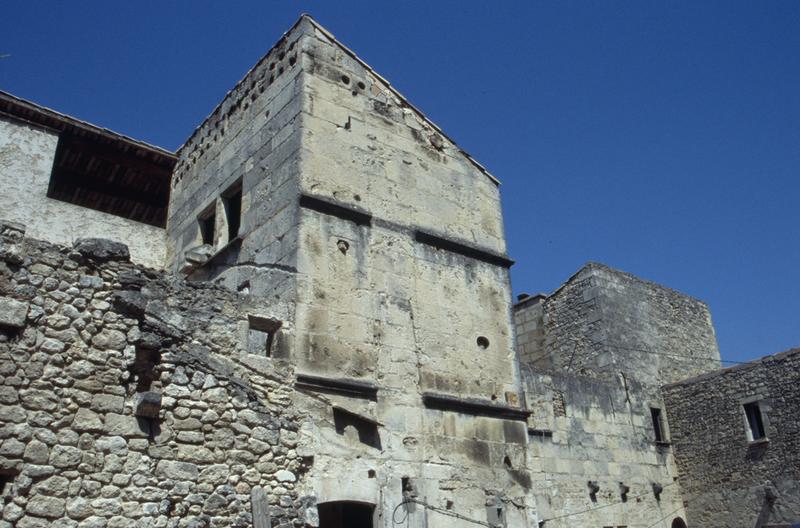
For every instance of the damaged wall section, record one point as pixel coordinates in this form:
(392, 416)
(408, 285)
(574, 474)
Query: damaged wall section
(129, 400)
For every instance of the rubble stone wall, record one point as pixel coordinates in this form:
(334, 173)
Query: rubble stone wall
(127, 399)
(727, 480)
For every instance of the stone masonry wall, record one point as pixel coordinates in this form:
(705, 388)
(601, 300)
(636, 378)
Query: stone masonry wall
(727, 480)
(584, 430)
(391, 308)
(604, 321)
(127, 400)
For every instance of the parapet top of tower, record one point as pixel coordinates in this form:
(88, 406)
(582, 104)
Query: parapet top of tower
(279, 61)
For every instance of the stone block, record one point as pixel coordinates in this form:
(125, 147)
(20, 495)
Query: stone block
(13, 313)
(102, 250)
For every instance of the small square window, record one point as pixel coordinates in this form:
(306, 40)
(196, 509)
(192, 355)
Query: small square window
(755, 421)
(261, 335)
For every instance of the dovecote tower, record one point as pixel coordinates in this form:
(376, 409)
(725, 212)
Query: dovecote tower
(373, 249)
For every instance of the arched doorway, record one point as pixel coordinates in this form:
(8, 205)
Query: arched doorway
(345, 514)
(678, 523)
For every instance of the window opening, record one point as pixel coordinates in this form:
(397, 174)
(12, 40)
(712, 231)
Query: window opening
(261, 335)
(345, 514)
(755, 421)
(658, 424)
(232, 202)
(367, 430)
(207, 226)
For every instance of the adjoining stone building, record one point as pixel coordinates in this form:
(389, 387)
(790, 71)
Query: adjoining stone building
(620, 437)
(305, 319)
(736, 436)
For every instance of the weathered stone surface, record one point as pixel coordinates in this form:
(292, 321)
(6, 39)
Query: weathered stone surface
(65, 456)
(42, 506)
(131, 303)
(110, 339)
(86, 420)
(101, 249)
(177, 470)
(107, 403)
(36, 452)
(78, 508)
(13, 313)
(285, 476)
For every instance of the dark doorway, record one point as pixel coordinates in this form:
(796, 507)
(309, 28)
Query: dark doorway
(345, 514)
(678, 523)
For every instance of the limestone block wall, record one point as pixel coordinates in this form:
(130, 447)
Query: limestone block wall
(329, 244)
(27, 153)
(458, 464)
(378, 305)
(390, 301)
(729, 480)
(584, 430)
(365, 146)
(128, 400)
(251, 141)
(603, 321)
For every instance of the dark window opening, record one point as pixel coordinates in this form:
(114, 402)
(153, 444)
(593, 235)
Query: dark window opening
(111, 178)
(367, 430)
(261, 335)
(345, 514)
(658, 424)
(678, 523)
(232, 201)
(755, 421)
(207, 227)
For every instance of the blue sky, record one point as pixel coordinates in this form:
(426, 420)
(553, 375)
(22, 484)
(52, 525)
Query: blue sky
(661, 138)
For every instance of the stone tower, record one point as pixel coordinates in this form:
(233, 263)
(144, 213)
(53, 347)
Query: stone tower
(373, 249)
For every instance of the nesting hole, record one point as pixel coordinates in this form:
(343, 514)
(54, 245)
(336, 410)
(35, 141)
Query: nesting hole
(361, 85)
(345, 79)
(371, 473)
(483, 342)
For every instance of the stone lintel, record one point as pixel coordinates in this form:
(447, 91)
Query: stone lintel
(345, 212)
(462, 249)
(474, 406)
(346, 387)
